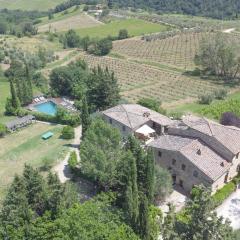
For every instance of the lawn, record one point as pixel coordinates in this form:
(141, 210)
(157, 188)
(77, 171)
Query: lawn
(61, 15)
(4, 93)
(26, 146)
(135, 27)
(41, 5)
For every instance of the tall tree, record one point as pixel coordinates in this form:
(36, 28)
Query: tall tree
(85, 116)
(129, 183)
(150, 176)
(35, 189)
(15, 213)
(144, 227)
(55, 194)
(14, 98)
(101, 153)
(218, 56)
(168, 230)
(203, 222)
(103, 90)
(134, 146)
(29, 84)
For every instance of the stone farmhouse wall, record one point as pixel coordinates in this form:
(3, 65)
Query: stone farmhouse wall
(186, 176)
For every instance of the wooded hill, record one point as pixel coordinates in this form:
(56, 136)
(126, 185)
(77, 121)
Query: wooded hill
(210, 8)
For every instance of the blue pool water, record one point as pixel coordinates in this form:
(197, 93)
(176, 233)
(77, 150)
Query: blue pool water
(49, 108)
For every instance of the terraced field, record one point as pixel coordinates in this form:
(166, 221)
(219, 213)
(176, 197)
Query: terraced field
(138, 80)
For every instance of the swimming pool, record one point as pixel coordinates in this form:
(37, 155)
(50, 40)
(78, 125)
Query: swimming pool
(49, 108)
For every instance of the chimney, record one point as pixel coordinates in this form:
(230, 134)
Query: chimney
(146, 114)
(199, 152)
(222, 164)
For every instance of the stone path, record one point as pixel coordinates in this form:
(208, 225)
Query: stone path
(62, 168)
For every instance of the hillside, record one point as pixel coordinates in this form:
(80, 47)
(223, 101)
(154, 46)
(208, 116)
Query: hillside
(208, 8)
(41, 5)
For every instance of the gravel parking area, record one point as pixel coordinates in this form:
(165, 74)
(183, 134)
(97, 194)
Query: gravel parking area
(230, 209)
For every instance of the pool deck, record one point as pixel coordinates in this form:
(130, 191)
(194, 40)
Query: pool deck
(58, 101)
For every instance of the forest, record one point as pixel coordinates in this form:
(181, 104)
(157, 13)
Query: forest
(227, 9)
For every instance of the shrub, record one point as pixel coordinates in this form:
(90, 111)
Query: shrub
(3, 130)
(220, 94)
(230, 119)
(101, 47)
(216, 110)
(72, 161)
(68, 132)
(2, 56)
(222, 194)
(123, 34)
(47, 164)
(85, 8)
(175, 115)
(205, 99)
(152, 104)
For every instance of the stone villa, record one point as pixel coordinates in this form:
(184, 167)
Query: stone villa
(195, 150)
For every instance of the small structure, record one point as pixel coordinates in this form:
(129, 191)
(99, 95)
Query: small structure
(20, 122)
(47, 135)
(146, 134)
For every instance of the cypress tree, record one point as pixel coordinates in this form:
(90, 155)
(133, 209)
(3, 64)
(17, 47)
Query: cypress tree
(134, 146)
(144, 226)
(25, 92)
(131, 190)
(85, 116)
(150, 175)
(19, 90)
(35, 187)
(14, 97)
(15, 211)
(29, 84)
(55, 194)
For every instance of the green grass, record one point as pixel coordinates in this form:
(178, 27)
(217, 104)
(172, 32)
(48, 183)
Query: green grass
(26, 146)
(41, 5)
(4, 93)
(221, 195)
(60, 16)
(135, 27)
(208, 110)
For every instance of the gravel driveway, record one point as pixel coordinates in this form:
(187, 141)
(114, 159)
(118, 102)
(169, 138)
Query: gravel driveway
(231, 209)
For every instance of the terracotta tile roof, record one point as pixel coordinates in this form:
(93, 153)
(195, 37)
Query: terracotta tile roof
(226, 135)
(169, 142)
(207, 160)
(134, 115)
(199, 154)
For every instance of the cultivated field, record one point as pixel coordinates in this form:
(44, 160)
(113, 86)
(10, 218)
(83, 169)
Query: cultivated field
(135, 27)
(140, 80)
(178, 51)
(26, 146)
(41, 5)
(78, 21)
